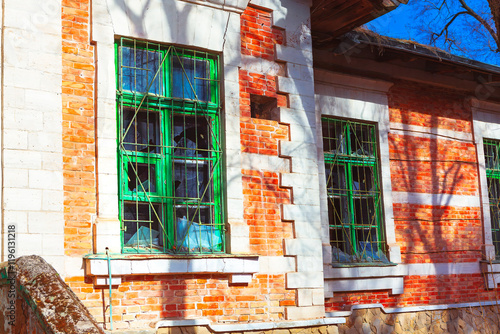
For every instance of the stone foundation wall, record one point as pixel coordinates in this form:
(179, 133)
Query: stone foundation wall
(463, 320)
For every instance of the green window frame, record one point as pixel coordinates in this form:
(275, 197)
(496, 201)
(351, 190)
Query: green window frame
(492, 163)
(169, 149)
(352, 170)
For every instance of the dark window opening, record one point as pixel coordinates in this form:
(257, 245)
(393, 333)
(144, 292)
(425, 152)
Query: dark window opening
(264, 107)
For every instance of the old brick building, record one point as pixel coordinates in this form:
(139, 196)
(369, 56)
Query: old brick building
(240, 163)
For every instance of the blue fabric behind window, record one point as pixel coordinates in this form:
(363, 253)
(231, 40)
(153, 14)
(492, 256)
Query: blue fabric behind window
(188, 76)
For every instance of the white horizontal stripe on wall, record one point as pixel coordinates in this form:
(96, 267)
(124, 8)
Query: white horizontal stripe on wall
(435, 199)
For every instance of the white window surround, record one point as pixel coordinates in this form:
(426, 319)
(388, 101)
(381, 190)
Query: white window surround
(218, 31)
(363, 99)
(486, 124)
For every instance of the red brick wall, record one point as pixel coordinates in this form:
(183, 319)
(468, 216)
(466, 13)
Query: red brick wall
(262, 195)
(78, 127)
(421, 290)
(259, 135)
(434, 165)
(140, 301)
(430, 164)
(438, 234)
(147, 299)
(416, 104)
(258, 36)
(258, 39)
(262, 200)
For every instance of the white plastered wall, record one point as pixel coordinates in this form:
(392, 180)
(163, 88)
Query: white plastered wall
(32, 129)
(366, 100)
(212, 27)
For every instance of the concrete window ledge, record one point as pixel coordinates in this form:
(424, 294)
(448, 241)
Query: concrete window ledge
(364, 278)
(240, 268)
(491, 272)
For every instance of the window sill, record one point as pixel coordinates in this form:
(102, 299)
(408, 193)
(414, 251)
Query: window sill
(239, 267)
(366, 264)
(363, 277)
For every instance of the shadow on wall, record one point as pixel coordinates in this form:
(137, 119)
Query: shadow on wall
(448, 229)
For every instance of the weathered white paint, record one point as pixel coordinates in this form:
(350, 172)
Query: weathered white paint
(32, 129)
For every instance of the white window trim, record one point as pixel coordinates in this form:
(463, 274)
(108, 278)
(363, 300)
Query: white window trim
(361, 99)
(223, 29)
(486, 124)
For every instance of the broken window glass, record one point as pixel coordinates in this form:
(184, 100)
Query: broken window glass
(192, 180)
(141, 131)
(354, 197)
(169, 151)
(491, 156)
(334, 138)
(142, 227)
(362, 139)
(141, 177)
(191, 136)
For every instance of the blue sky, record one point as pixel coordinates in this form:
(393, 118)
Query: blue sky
(406, 22)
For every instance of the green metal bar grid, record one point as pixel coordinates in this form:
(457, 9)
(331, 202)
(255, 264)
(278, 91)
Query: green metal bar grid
(492, 163)
(351, 165)
(160, 159)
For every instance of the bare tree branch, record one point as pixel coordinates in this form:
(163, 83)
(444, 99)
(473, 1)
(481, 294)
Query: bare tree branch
(469, 28)
(435, 36)
(482, 21)
(495, 12)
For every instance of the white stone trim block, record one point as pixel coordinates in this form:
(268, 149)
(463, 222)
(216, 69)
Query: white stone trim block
(486, 124)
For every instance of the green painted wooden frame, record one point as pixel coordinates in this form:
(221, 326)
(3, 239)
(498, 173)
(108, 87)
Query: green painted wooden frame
(345, 158)
(492, 163)
(167, 106)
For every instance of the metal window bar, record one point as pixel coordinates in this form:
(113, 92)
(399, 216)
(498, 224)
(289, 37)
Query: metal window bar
(353, 190)
(492, 162)
(164, 203)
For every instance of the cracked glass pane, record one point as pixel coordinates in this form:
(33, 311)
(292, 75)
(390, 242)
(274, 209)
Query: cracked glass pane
(141, 223)
(141, 131)
(141, 177)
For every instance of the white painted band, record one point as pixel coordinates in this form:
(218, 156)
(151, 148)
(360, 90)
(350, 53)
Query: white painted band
(255, 161)
(435, 199)
(410, 269)
(434, 269)
(428, 132)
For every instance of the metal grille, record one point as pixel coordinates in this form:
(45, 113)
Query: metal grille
(492, 161)
(353, 189)
(169, 149)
